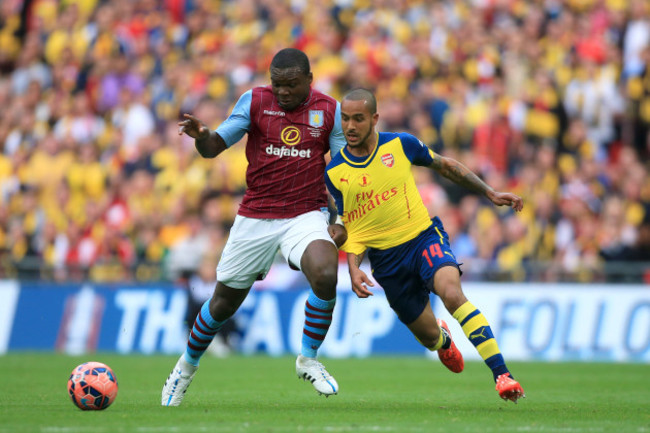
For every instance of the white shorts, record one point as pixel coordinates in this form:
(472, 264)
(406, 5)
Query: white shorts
(253, 244)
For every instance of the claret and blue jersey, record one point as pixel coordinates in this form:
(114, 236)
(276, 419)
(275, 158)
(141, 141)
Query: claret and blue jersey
(376, 195)
(285, 151)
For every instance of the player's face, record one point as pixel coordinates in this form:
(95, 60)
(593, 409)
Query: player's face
(358, 123)
(290, 87)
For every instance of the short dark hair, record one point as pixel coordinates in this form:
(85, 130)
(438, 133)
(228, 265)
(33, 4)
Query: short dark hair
(361, 94)
(291, 58)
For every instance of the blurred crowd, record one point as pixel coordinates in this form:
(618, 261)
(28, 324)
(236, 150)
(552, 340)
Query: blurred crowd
(549, 99)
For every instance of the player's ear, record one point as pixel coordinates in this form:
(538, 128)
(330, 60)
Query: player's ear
(310, 78)
(375, 119)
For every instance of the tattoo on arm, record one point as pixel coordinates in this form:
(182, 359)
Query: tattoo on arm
(437, 163)
(354, 260)
(459, 174)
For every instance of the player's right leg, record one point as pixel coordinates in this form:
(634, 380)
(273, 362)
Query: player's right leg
(248, 254)
(213, 315)
(434, 334)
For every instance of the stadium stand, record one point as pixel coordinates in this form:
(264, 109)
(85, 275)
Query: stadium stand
(549, 99)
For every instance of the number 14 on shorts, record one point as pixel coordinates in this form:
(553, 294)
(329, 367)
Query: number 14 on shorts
(434, 250)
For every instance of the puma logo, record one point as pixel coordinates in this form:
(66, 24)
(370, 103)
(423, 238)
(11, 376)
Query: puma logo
(479, 333)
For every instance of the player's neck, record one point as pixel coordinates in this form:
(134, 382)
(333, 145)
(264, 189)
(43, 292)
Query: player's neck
(367, 147)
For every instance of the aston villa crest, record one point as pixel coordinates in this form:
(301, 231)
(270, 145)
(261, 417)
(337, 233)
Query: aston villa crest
(316, 118)
(388, 160)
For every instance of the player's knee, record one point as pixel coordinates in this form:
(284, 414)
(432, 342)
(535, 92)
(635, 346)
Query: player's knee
(454, 301)
(450, 293)
(323, 278)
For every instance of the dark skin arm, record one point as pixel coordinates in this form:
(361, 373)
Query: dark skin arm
(463, 176)
(337, 231)
(208, 143)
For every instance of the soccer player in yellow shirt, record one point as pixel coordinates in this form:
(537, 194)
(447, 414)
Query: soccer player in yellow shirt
(410, 255)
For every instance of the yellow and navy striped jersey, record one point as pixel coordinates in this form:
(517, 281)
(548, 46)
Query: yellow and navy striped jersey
(376, 195)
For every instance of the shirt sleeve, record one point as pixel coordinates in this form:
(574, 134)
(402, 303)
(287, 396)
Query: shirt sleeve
(416, 151)
(337, 139)
(237, 124)
(353, 247)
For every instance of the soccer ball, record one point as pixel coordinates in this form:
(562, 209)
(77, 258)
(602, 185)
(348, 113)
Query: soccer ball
(92, 386)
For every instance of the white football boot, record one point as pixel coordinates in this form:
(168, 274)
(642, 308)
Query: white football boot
(312, 370)
(177, 383)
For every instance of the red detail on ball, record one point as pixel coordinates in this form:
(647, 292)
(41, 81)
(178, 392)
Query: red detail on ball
(92, 386)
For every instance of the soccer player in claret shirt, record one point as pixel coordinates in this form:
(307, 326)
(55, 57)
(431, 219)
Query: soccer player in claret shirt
(290, 128)
(409, 253)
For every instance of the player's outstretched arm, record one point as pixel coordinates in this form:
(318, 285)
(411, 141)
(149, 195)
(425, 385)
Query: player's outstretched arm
(208, 143)
(359, 279)
(458, 173)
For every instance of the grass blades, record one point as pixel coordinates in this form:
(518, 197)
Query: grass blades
(378, 394)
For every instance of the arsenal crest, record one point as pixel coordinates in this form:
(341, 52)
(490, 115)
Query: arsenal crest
(388, 160)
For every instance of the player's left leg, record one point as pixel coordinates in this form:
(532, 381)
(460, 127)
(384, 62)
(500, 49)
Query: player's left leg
(308, 246)
(320, 266)
(446, 283)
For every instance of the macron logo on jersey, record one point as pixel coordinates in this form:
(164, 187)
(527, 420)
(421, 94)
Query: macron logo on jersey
(287, 151)
(274, 113)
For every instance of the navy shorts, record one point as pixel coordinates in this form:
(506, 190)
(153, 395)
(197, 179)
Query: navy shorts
(405, 272)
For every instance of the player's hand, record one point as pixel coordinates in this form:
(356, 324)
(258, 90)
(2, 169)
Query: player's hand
(193, 127)
(360, 283)
(507, 199)
(338, 233)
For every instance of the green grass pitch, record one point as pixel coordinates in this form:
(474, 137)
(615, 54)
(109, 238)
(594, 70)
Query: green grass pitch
(378, 394)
